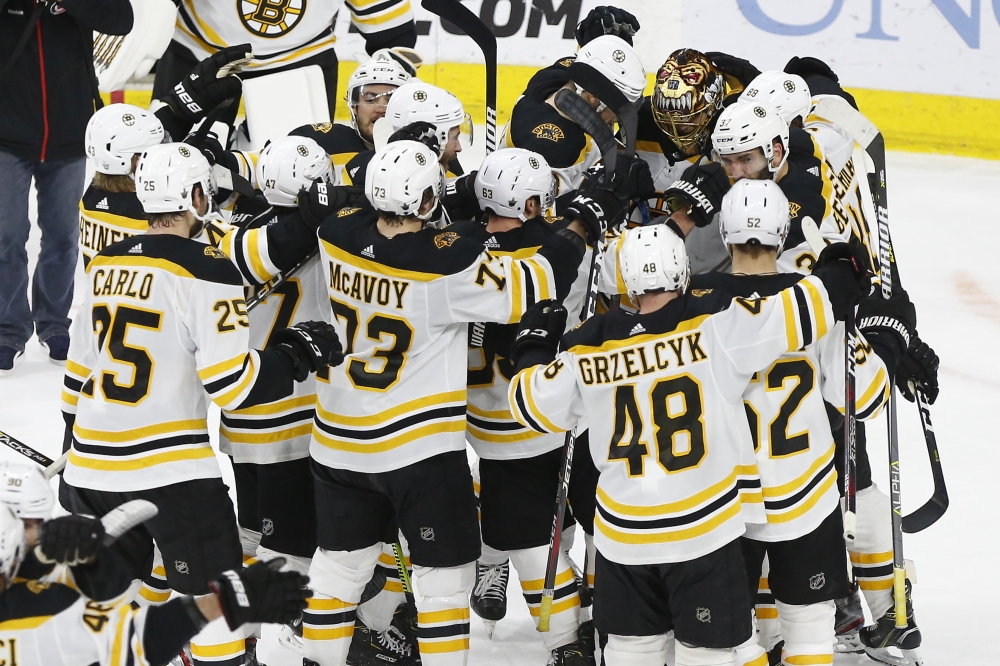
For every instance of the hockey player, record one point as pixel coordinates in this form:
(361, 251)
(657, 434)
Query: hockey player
(607, 74)
(668, 382)
(205, 27)
(166, 320)
(389, 437)
(45, 623)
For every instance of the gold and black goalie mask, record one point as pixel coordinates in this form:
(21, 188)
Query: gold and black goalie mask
(686, 98)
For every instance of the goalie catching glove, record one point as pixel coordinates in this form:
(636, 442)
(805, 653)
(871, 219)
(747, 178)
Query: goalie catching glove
(261, 593)
(311, 345)
(538, 334)
(210, 83)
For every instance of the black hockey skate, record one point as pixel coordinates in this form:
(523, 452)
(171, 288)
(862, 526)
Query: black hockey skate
(774, 654)
(489, 596)
(574, 654)
(884, 634)
(587, 636)
(849, 620)
(396, 646)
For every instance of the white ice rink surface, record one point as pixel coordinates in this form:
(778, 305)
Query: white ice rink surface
(947, 235)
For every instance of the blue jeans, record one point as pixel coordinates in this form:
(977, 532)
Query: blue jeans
(60, 186)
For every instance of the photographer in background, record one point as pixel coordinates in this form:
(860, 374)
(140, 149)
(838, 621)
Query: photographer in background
(48, 91)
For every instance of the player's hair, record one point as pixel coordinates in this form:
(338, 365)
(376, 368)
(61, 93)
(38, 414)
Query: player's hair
(753, 249)
(113, 183)
(395, 220)
(168, 219)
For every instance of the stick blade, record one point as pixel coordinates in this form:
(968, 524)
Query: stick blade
(925, 516)
(813, 236)
(121, 519)
(839, 111)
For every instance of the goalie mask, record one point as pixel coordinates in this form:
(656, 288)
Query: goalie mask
(788, 93)
(508, 178)
(287, 165)
(654, 258)
(398, 176)
(118, 132)
(26, 491)
(416, 101)
(165, 178)
(687, 96)
(754, 211)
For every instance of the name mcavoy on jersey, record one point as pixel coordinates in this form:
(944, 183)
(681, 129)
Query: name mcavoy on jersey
(364, 287)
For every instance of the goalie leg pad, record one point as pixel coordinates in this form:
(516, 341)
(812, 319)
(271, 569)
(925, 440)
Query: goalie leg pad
(808, 632)
(442, 597)
(565, 620)
(871, 554)
(689, 655)
(378, 611)
(636, 650)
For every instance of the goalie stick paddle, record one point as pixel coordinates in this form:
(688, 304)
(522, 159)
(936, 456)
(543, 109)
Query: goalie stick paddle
(465, 20)
(936, 506)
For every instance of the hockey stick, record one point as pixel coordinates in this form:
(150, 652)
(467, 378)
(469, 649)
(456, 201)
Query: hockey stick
(935, 507)
(816, 244)
(120, 520)
(465, 20)
(404, 575)
(271, 285)
(837, 110)
(52, 467)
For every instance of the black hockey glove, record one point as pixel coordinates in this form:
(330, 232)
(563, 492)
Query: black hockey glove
(631, 181)
(460, 198)
(919, 365)
(700, 189)
(69, 540)
(806, 67)
(213, 150)
(322, 200)
(738, 68)
(887, 321)
(538, 334)
(606, 21)
(420, 131)
(597, 212)
(311, 344)
(211, 82)
(845, 270)
(261, 593)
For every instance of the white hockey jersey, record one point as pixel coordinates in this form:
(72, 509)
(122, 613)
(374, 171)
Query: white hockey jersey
(163, 322)
(281, 32)
(106, 218)
(401, 306)
(662, 394)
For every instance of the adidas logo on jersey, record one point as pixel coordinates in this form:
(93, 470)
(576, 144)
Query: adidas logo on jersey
(637, 329)
(492, 243)
(102, 204)
(136, 250)
(814, 171)
(369, 252)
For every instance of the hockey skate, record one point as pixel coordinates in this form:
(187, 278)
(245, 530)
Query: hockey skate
(489, 596)
(850, 618)
(884, 634)
(396, 646)
(574, 654)
(250, 656)
(290, 638)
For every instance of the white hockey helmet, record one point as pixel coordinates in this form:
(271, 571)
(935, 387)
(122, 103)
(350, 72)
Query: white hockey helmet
(748, 125)
(26, 491)
(508, 177)
(420, 101)
(287, 165)
(166, 176)
(754, 210)
(118, 132)
(654, 258)
(614, 59)
(12, 545)
(788, 93)
(398, 176)
(384, 68)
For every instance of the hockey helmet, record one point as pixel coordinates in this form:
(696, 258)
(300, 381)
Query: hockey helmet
(287, 165)
(788, 93)
(420, 101)
(653, 258)
(748, 125)
(609, 59)
(398, 176)
(385, 67)
(12, 545)
(118, 132)
(26, 491)
(687, 97)
(754, 211)
(509, 177)
(166, 176)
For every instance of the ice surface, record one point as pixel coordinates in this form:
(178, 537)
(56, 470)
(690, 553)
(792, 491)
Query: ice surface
(946, 233)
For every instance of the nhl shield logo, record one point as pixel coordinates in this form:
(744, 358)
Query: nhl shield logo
(267, 526)
(818, 581)
(427, 533)
(703, 614)
(181, 567)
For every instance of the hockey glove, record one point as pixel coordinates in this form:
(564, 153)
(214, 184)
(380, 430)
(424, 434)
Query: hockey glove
(261, 593)
(738, 68)
(311, 344)
(69, 540)
(700, 188)
(806, 67)
(845, 270)
(460, 200)
(211, 82)
(420, 131)
(597, 212)
(919, 365)
(887, 321)
(213, 150)
(606, 21)
(538, 334)
(322, 200)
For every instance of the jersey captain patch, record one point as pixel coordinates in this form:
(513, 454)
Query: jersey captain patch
(549, 131)
(270, 18)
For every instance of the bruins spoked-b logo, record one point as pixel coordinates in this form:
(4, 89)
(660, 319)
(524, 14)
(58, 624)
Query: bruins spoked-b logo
(270, 18)
(420, 96)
